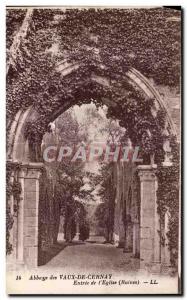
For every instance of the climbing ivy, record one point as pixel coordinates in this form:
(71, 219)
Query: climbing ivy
(118, 39)
(168, 198)
(15, 190)
(106, 42)
(9, 217)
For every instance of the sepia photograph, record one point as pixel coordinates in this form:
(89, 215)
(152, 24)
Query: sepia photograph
(93, 150)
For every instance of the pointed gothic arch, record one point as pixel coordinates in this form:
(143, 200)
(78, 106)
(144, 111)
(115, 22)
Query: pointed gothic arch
(19, 151)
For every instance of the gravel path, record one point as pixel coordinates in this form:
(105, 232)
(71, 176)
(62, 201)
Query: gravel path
(92, 256)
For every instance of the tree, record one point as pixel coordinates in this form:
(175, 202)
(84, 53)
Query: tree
(107, 192)
(111, 134)
(95, 120)
(68, 176)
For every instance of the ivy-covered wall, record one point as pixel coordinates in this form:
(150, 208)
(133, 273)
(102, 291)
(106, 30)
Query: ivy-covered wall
(118, 40)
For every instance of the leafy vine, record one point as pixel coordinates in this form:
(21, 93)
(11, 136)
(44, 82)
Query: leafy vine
(12, 189)
(148, 40)
(168, 198)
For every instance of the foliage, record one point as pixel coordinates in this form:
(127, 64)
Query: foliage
(69, 181)
(12, 189)
(9, 217)
(146, 39)
(16, 191)
(105, 211)
(117, 40)
(84, 230)
(14, 19)
(99, 127)
(168, 198)
(102, 215)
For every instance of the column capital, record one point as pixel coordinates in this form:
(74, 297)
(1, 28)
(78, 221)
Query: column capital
(147, 172)
(31, 170)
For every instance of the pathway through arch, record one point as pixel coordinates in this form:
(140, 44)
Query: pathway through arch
(92, 256)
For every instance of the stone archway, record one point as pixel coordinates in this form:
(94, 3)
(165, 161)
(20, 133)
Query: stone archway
(18, 146)
(26, 249)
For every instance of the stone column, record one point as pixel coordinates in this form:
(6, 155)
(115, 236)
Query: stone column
(150, 245)
(136, 239)
(128, 247)
(32, 174)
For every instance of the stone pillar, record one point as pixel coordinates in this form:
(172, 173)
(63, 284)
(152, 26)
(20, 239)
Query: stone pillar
(150, 245)
(136, 239)
(31, 177)
(128, 245)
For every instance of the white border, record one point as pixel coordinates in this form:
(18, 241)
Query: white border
(3, 4)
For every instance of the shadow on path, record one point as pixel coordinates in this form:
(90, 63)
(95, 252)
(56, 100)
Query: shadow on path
(46, 256)
(90, 256)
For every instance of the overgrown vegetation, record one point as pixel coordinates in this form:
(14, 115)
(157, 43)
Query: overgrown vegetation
(117, 40)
